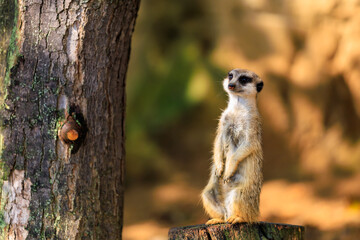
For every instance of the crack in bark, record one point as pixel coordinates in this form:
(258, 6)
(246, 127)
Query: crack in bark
(42, 228)
(40, 13)
(24, 153)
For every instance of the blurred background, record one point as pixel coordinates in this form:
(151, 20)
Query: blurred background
(308, 54)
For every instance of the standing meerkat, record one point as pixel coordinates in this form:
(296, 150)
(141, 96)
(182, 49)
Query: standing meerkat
(233, 192)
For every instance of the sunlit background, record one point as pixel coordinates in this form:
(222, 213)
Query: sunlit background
(308, 54)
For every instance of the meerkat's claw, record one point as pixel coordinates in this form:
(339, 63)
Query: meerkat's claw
(218, 172)
(226, 180)
(214, 221)
(227, 176)
(234, 219)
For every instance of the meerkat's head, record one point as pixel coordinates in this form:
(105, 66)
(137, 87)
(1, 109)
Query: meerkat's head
(242, 83)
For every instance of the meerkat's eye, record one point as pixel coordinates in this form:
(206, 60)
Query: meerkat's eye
(244, 80)
(230, 76)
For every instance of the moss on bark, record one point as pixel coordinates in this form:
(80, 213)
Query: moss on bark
(8, 53)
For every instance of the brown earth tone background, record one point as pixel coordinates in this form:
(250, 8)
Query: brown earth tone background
(308, 54)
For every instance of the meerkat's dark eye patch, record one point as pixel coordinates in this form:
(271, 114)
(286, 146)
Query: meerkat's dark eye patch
(259, 86)
(244, 80)
(230, 76)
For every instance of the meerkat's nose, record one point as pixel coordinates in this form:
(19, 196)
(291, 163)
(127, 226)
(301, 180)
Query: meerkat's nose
(231, 86)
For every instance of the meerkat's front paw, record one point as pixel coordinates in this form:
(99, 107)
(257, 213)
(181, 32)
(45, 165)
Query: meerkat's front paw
(234, 219)
(227, 177)
(218, 172)
(227, 180)
(228, 174)
(214, 221)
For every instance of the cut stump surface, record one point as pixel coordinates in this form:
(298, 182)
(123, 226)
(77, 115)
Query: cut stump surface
(260, 230)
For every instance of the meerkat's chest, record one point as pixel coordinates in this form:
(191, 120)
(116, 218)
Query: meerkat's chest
(234, 129)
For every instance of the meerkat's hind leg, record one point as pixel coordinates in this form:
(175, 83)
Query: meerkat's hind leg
(234, 219)
(212, 200)
(233, 210)
(212, 203)
(241, 207)
(215, 221)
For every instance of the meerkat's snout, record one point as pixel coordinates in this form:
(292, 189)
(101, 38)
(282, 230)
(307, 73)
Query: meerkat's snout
(231, 86)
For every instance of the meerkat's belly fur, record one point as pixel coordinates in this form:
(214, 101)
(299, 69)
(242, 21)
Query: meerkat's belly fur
(233, 191)
(244, 187)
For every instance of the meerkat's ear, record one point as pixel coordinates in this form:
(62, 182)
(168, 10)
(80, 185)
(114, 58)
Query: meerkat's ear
(259, 86)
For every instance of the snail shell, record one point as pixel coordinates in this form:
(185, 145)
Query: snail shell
(70, 130)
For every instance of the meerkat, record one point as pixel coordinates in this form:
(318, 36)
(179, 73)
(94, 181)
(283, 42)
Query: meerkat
(233, 192)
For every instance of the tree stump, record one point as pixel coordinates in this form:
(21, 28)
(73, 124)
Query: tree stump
(260, 230)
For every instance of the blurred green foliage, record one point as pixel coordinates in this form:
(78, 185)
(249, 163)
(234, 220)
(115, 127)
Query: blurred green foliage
(169, 74)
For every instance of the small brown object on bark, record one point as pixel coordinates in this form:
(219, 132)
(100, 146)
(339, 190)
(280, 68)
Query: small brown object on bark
(70, 130)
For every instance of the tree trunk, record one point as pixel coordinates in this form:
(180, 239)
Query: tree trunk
(261, 230)
(64, 58)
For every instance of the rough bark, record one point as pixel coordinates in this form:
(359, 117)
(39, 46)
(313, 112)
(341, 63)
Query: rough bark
(261, 230)
(63, 57)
